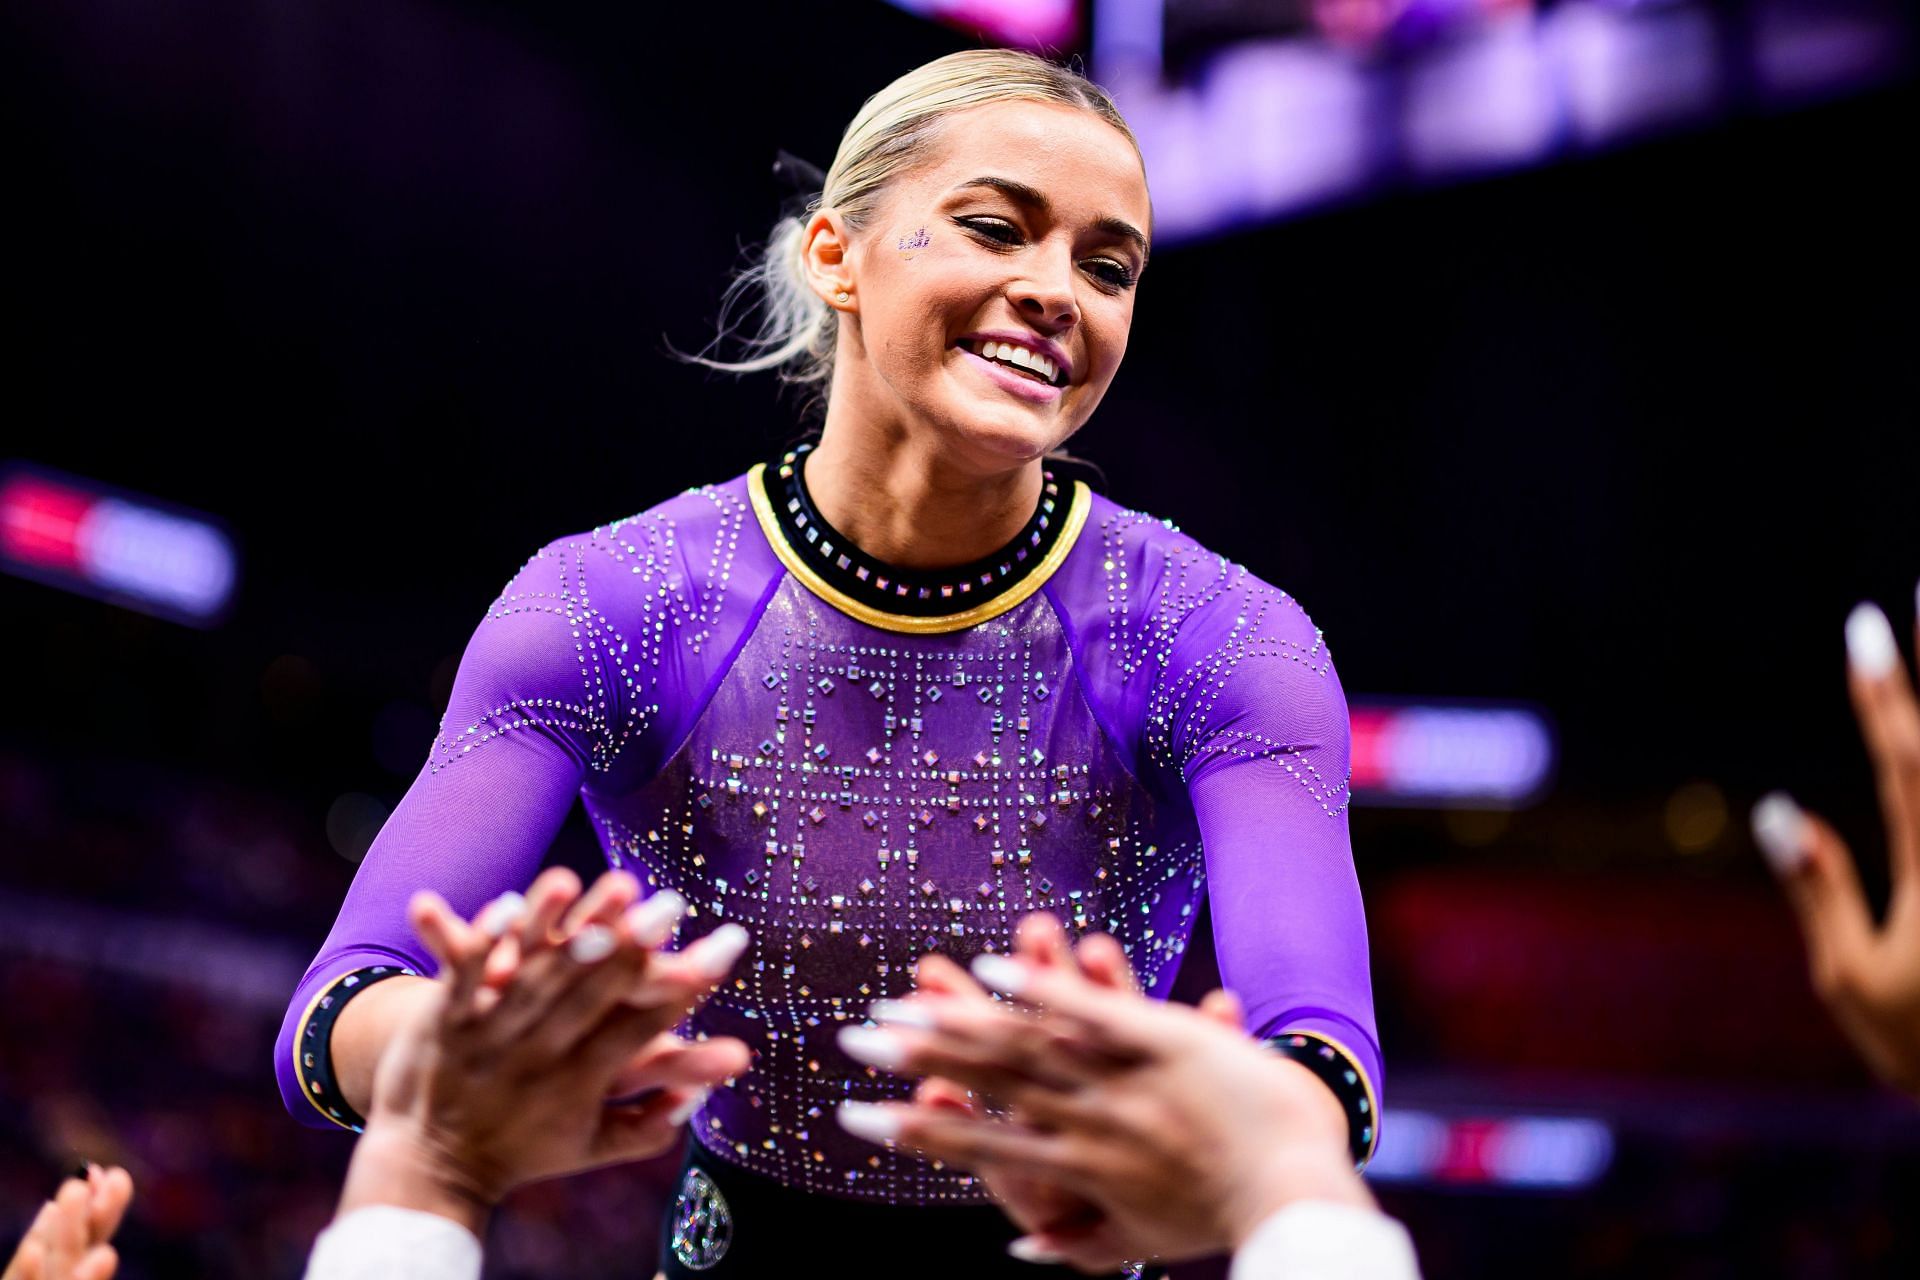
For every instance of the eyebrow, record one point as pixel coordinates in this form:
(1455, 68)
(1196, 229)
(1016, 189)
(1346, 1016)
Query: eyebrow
(1021, 193)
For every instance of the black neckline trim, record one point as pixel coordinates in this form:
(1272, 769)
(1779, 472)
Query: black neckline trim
(918, 593)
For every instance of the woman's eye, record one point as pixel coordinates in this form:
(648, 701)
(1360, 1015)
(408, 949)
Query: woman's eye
(993, 229)
(1117, 274)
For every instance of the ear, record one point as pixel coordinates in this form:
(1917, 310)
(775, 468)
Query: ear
(825, 253)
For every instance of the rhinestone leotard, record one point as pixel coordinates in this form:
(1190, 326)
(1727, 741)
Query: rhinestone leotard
(1106, 723)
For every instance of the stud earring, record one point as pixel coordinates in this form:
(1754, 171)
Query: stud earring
(842, 296)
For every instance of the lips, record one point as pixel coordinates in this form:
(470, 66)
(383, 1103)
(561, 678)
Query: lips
(1017, 382)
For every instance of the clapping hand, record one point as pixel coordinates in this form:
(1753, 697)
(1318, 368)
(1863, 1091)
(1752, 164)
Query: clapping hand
(1152, 1130)
(549, 1014)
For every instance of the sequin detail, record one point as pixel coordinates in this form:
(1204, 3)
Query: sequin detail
(702, 1223)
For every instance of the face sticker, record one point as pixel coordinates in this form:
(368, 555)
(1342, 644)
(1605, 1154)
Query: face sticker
(910, 245)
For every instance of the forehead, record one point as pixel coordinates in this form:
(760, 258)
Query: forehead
(1073, 157)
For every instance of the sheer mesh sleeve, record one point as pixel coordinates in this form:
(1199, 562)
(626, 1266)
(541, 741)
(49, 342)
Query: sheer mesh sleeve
(1246, 706)
(550, 689)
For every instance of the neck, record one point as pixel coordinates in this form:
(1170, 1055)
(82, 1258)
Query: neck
(910, 504)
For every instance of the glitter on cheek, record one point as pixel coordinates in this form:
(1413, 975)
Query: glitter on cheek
(910, 245)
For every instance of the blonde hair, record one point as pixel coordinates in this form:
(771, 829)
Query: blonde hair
(891, 134)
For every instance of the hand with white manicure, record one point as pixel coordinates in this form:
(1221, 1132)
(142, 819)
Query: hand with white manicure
(1144, 1129)
(545, 1008)
(1868, 974)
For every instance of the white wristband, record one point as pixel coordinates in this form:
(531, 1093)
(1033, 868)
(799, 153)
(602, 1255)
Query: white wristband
(384, 1242)
(1321, 1240)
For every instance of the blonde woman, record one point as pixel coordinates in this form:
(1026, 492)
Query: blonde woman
(891, 691)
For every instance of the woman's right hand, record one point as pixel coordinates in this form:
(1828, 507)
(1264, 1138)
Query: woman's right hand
(1868, 975)
(543, 1007)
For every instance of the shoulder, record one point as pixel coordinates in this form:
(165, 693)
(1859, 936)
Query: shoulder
(659, 546)
(1164, 592)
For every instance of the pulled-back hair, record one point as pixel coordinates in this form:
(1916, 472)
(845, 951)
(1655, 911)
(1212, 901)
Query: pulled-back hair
(892, 133)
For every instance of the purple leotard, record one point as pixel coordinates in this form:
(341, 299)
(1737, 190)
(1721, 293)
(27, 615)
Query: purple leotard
(1136, 722)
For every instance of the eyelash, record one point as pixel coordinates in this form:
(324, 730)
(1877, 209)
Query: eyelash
(1122, 277)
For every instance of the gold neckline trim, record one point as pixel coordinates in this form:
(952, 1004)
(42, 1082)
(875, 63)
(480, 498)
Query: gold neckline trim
(1075, 520)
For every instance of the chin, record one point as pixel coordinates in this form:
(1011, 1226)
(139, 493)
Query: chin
(999, 445)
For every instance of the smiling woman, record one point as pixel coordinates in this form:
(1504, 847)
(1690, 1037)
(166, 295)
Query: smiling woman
(888, 693)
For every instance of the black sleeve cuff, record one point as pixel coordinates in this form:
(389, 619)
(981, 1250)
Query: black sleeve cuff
(1349, 1084)
(313, 1053)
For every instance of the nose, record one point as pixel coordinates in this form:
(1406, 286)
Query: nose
(1046, 296)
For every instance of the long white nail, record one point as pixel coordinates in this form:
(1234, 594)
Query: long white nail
(719, 951)
(1870, 644)
(875, 1046)
(652, 922)
(592, 944)
(868, 1120)
(684, 1112)
(501, 914)
(902, 1013)
(1780, 829)
(1027, 1249)
(1005, 975)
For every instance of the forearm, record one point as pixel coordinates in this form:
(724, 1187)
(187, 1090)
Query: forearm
(392, 1166)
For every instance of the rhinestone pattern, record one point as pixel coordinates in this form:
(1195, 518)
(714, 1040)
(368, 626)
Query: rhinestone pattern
(857, 795)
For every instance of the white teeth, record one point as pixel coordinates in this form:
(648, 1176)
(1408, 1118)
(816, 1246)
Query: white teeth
(1020, 357)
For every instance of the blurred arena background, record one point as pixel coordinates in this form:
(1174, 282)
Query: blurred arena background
(1560, 357)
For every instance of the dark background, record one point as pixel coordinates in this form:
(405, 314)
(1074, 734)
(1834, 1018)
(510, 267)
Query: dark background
(388, 289)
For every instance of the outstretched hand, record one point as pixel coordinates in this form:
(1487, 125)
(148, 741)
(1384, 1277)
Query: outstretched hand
(1153, 1130)
(1868, 975)
(549, 1015)
(68, 1238)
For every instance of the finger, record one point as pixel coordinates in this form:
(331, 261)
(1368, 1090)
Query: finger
(712, 957)
(552, 892)
(1890, 722)
(963, 1140)
(1823, 887)
(651, 923)
(667, 1061)
(611, 963)
(1225, 1008)
(1105, 961)
(936, 973)
(939, 1095)
(1099, 1249)
(61, 1227)
(984, 1034)
(639, 1130)
(29, 1262)
(460, 951)
(1107, 1020)
(113, 1190)
(100, 1262)
(1041, 940)
(602, 903)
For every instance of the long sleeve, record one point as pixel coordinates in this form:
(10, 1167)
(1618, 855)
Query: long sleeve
(1248, 708)
(1320, 1240)
(385, 1242)
(549, 689)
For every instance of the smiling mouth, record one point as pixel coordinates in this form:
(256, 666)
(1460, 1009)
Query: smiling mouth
(1029, 364)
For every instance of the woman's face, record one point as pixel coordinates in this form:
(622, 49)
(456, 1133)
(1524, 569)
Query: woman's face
(992, 288)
